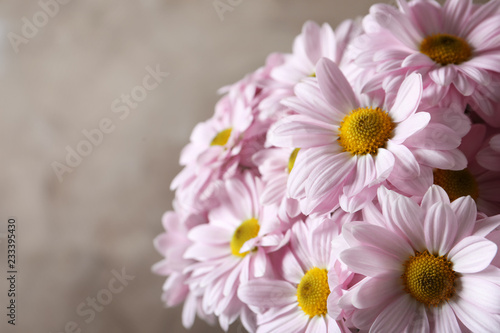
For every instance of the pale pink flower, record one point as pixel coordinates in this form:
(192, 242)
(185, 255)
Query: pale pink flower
(305, 298)
(172, 244)
(350, 144)
(455, 47)
(314, 43)
(219, 147)
(429, 269)
(232, 248)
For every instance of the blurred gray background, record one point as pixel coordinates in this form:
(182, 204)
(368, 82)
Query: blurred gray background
(104, 215)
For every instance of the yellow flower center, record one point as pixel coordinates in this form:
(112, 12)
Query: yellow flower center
(365, 130)
(446, 49)
(291, 160)
(222, 137)
(247, 230)
(457, 183)
(313, 291)
(428, 278)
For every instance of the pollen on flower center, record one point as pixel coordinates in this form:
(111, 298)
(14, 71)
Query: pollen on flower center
(428, 278)
(246, 231)
(313, 291)
(222, 137)
(365, 130)
(446, 49)
(291, 160)
(457, 183)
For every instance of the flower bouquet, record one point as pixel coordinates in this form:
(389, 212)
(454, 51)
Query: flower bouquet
(350, 186)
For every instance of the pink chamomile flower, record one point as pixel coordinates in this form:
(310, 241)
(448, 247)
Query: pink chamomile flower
(172, 244)
(428, 269)
(315, 42)
(349, 144)
(305, 299)
(455, 47)
(232, 248)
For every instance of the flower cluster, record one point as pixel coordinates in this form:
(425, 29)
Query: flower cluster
(350, 186)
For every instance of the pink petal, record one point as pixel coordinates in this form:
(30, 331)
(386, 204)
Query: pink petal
(446, 321)
(317, 324)
(407, 99)
(413, 186)
(396, 316)
(380, 238)
(384, 163)
(489, 159)
(481, 293)
(311, 33)
(484, 36)
(478, 75)
(374, 291)
(370, 261)
(472, 254)
(444, 75)
(420, 322)
(495, 143)
(335, 87)
(260, 263)
(210, 234)
(359, 201)
(488, 61)
(452, 10)
(465, 211)
(418, 60)
(410, 126)
(475, 318)
(406, 164)
(364, 174)
(292, 270)
(313, 104)
(439, 228)
(465, 86)
(404, 215)
(391, 19)
(293, 321)
(299, 131)
(446, 160)
(267, 293)
(435, 136)
(189, 310)
(330, 173)
(205, 252)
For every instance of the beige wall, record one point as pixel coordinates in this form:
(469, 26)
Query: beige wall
(105, 214)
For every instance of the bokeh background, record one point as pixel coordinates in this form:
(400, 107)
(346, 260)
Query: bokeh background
(104, 215)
